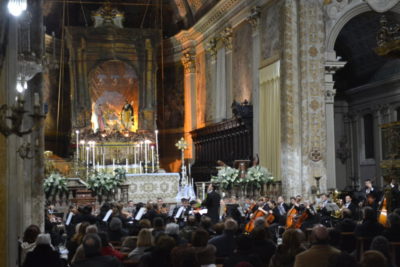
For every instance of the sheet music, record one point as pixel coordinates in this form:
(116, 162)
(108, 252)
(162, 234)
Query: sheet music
(108, 214)
(140, 214)
(179, 212)
(69, 218)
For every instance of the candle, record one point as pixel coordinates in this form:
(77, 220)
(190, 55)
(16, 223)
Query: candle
(145, 157)
(152, 158)
(87, 156)
(93, 152)
(104, 157)
(82, 151)
(203, 189)
(36, 100)
(134, 154)
(127, 165)
(113, 164)
(156, 132)
(77, 144)
(140, 167)
(190, 170)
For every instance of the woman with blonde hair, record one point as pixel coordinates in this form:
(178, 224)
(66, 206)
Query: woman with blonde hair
(144, 242)
(286, 252)
(76, 240)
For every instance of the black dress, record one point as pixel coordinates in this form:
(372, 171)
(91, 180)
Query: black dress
(212, 202)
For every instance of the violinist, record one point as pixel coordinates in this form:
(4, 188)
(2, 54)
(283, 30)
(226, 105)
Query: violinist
(394, 194)
(282, 206)
(309, 216)
(273, 209)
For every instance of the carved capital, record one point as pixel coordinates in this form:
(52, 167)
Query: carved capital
(226, 37)
(254, 17)
(189, 62)
(330, 95)
(211, 47)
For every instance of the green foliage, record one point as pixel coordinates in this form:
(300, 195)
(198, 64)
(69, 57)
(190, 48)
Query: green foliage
(257, 176)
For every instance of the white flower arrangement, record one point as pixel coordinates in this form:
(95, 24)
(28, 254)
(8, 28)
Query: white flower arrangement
(227, 177)
(257, 176)
(54, 185)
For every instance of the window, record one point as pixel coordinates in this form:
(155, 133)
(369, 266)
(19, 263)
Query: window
(369, 136)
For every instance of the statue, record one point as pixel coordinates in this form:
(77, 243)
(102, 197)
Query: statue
(127, 119)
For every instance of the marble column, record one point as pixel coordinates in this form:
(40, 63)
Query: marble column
(253, 19)
(227, 40)
(188, 61)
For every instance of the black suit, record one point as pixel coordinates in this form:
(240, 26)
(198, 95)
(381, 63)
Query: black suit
(212, 202)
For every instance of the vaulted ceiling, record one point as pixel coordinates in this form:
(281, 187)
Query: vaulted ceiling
(176, 14)
(355, 44)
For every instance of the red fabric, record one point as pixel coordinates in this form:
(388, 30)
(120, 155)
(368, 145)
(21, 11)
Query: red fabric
(109, 251)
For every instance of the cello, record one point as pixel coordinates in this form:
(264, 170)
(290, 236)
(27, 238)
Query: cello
(269, 218)
(291, 215)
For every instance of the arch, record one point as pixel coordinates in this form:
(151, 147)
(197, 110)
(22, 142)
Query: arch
(347, 14)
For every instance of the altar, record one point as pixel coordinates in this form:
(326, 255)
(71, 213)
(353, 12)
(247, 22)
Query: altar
(145, 187)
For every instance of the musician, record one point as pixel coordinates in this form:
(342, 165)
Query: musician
(348, 204)
(185, 212)
(370, 190)
(273, 208)
(395, 194)
(312, 217)
(282, 206)
(130, 208)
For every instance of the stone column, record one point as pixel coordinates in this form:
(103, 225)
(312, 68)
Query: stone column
(378, 120)
(253, 19)
(226, 36)
(211, 49)
(330, 68)
(188, 61)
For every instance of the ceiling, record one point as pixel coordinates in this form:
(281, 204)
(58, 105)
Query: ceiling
(176, 14)
(355, 45)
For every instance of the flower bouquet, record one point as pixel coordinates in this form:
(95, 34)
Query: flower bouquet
(54, 185)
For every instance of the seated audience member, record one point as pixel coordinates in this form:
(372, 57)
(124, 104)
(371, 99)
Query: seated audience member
(205, 252)
(218, 228)
(189, 228)
(92, 247)
(206, 224)
(370, 226)
(172, 229)
(392, 233)
(286, 252)
(43, 254)
(342, 260)
(144, 243)
(107, 249)
(158, 226)
(320, 251)
(129, 244)
(373, 258)
(263, 245)
(381, 244)
(115, 230)
(28, 242)
(347, 224)
(160, 254)
(76, 240)
(80, 253)
(244, 253)
(184, 257)
(225, 243)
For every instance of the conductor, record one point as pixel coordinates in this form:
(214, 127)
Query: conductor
(212, 202)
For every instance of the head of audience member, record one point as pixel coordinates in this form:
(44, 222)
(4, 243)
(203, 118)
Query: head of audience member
(200, 238)
(396, 211)
(259, 222)
(43, 240)
(105, 242)
(373, 258)
(158, 223)
(31, 233)
(260, 233)
(172, 229)
(160, 201)
(191, 221)
(346, 213)
(145, 238)
(129, 244)
(91, 245)
(80, 233)
(320, 234)
(184, 256)
(291, 240)
(144, 224)
(205, 222)
(381, 244)
(369, 214)
(219, 228)
(342, 260)
(115, 224)
(393, 221)
(164, 243)
(92, 229)
(230, 225)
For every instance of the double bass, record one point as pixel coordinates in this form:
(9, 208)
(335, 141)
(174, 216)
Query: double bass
(382, 219)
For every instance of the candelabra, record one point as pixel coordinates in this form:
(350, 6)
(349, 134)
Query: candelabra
(317, 178)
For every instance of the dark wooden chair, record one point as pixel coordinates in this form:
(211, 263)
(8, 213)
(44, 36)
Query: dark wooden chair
(347, 242)
(362, 244)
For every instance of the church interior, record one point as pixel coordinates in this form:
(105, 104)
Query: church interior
(170, 95)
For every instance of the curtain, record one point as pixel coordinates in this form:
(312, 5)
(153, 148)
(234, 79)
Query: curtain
(270, 119)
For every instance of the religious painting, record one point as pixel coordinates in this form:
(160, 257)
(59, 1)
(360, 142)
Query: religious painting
(114, 93)
(242, 63)
(270, 30)
(171, 110)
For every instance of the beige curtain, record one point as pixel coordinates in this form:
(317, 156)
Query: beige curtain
(270, 122)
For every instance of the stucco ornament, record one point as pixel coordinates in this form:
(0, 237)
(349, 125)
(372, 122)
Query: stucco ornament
(382, 5)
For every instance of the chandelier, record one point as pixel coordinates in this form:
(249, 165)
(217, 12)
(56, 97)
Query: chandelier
(388, 39)
(16, 7)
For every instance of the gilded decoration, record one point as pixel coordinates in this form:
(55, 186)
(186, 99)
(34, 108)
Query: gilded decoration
(226, 37)
(254, 17)
(211, 47)
(107, 15)
(188, 61)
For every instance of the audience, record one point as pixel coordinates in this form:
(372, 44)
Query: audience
(43, 254)
(392, 233)
(244, 253)
(76, 240)
(373, 258)
(226, 242)
(160, 254)
(370, 226)
(319, 253)
(144, 243)
(116, 231)
(286, 252)
(28, 242)
(263, 245)
(381, 244)
(205, 252)
(107, 249)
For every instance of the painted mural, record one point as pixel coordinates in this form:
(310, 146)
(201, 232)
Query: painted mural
(271, 35)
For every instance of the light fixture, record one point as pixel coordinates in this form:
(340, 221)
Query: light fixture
(16, 7)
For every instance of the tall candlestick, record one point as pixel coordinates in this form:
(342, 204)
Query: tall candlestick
(156, 132)
(152, 158)
(127, 165)
(93, 152)
(145, 157)
(87, 155)
(134, 154)
(113, 164)
(104, 157)
(77, 144)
